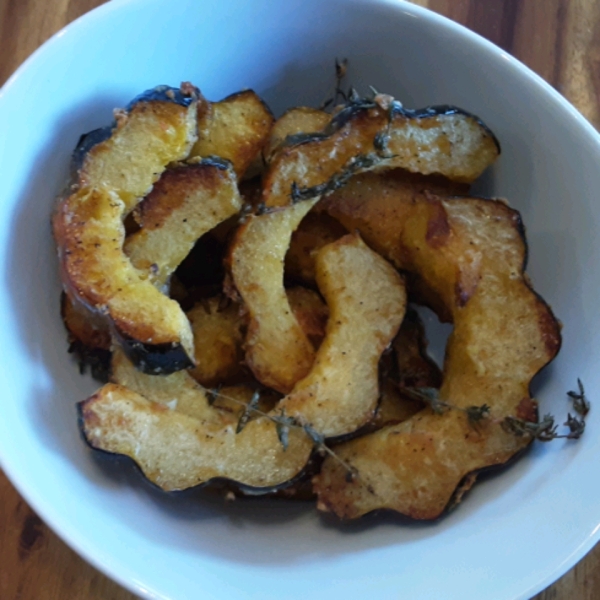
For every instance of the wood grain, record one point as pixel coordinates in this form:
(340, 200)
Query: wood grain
(559, 39)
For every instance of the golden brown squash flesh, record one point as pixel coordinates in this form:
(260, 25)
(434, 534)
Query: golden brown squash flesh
(169, 427)
(186, 202)
(147, 137)
(235, 129)
(310, 312)
(277, 350)
(89, 232)
(468, 253)
(219, 330)
(84, 326)
(219, 327)
(316, 230)
(366, 300)
(181, 439)
(452, 144)
(177, 451)
(90, 236)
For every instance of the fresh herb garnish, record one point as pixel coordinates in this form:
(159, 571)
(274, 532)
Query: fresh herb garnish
(545, 430)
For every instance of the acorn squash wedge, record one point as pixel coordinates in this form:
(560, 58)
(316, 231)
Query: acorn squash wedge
(468, 256)
(112, 176)
(438, 140)
(277, 350)
(367, 301)
(187, 201)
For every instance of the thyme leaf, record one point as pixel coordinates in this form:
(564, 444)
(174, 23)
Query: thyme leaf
(283, 433)
(580, 402)
(263, 209)
(354, 97)
(244, 213)
(213, 394)
(248, 410)
(314, 435)
(544, 430)
(576, 427)
(283, 424)
(341, 68)
(477, 413)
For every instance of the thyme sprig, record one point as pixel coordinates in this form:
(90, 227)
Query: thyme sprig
(362, 162)
(545, 430)
(213, 394)
(341, 68)
(283, 424)
(431, 397)
(248, 409)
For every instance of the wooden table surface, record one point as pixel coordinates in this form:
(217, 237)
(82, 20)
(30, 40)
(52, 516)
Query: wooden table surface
(559, 39)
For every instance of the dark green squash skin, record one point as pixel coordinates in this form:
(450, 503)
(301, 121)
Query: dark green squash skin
(308, 471)
(165, 93)
(154, 359)
(86, 142)
(215, 161)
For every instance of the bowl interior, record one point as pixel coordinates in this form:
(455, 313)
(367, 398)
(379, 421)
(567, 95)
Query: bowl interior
(517, 530)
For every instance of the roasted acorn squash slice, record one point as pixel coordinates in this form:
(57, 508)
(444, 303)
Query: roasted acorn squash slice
(177, 451)
(113, 174)
(469, 255)
(316, 230)
(366, 308)
(219, 327)
(185, 203)
(439, 140)
(156, 128)
(277, 350)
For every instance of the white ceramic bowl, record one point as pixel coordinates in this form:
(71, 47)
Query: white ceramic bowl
(516, 532)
